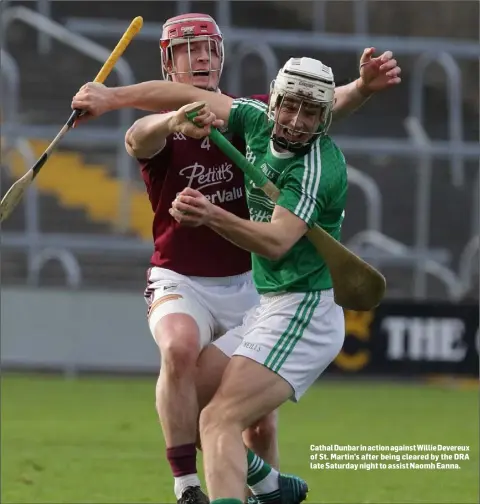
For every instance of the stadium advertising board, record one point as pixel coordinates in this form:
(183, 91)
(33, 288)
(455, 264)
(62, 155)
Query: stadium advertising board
(409, 339)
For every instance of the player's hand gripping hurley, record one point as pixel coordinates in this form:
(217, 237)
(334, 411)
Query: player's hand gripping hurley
(356, 284)
(15, 193)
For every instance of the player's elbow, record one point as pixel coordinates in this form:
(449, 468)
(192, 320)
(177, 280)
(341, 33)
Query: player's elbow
(137, 151)
(142, 148)
(278, 248)
(284, 231)
(283, 238)
(275, 255)
(130, 144)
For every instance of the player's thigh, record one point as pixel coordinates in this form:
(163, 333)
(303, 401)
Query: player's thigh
(228, 344)
(178, 319)
(210, 368)
(296, 336)
(213, 361)
(248, 391)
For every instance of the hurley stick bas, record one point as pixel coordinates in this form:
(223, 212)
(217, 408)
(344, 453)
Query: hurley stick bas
(357, 285)
(17, 190)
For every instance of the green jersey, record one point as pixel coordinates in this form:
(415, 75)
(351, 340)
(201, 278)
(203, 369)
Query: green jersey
(312, 186)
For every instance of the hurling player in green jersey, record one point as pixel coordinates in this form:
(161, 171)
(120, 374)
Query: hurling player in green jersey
(287, 341)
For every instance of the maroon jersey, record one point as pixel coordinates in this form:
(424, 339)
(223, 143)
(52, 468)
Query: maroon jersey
(186, 162)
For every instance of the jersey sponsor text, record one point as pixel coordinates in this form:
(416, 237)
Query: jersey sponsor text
(206, 177)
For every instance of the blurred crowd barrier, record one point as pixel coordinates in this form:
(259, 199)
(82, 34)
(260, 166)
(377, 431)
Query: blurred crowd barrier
(74, 332)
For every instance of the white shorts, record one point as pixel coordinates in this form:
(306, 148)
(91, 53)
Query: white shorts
(296, 335)
(216, 304)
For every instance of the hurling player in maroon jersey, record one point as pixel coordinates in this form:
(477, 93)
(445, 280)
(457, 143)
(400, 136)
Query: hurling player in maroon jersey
(199, 284)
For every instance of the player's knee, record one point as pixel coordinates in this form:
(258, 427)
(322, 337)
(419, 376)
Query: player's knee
(210, 420)
(177, 337)
(219, 414)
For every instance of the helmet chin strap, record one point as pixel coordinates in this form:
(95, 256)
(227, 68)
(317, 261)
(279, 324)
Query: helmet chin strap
(294, 147)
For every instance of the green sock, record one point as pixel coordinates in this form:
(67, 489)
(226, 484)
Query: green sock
(262, 479)
(226, 501)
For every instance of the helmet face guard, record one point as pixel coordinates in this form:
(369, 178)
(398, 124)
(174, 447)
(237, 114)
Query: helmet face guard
(298, 121)
(186, 30)
(301, 103)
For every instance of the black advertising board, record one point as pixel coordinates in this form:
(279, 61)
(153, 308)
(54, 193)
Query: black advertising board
(409, 339)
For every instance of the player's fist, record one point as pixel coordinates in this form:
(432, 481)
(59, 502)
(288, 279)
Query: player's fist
(94, 99)
(192, 208)
(201, 125)
(377, 73)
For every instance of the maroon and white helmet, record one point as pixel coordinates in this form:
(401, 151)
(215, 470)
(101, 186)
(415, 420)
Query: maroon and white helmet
(185, 29)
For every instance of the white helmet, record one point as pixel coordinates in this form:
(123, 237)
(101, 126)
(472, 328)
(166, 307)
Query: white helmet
(309, 81)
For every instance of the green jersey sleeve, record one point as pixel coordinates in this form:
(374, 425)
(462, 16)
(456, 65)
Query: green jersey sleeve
(313, 184)
(247, 117)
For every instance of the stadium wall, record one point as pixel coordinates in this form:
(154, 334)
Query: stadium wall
(68, 330)
(107, 332)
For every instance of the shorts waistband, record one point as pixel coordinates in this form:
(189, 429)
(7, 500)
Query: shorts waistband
(156, 273)
(230, 280)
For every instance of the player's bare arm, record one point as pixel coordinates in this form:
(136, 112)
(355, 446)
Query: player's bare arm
(152, 96)
(270, 239)
(148, 135)
(376, 74)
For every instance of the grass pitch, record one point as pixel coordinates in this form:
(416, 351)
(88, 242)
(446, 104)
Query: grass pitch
(97, 440)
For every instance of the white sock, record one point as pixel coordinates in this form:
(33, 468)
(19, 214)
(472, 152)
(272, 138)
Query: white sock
(182, 482)
(262, 479)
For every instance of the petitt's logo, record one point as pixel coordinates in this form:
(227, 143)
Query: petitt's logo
(260, 215)
(250, 155)
(203, 177)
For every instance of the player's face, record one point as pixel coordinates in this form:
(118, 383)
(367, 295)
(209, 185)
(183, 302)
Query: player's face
(298, 119)
(197, 63)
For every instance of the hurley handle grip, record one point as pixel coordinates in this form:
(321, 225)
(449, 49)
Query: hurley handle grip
(132, 30)
(256, 175)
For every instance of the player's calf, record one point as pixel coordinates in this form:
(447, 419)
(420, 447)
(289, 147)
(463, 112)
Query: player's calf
(177, 406)
(248, 392)
(261, 438)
